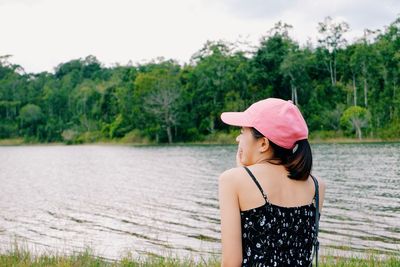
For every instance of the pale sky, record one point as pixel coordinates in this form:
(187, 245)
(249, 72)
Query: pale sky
(40, 34)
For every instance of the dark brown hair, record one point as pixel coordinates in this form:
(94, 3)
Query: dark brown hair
(297, 163)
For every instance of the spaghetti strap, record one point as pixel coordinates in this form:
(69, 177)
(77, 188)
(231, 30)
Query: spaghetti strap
(316, 195)
(315, 241)
(256, 182)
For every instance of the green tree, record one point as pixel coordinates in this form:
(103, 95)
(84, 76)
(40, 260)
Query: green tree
(159, 90)
(267, 76)
(217, 70)
(164, 101)
(295, 68)
(31, 117)
(355, 118)
(332, 40)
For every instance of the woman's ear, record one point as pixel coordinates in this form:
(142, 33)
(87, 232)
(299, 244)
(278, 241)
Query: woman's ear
(264, 145)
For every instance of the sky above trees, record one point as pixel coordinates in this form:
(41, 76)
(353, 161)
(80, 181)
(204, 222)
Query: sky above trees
(40, 34)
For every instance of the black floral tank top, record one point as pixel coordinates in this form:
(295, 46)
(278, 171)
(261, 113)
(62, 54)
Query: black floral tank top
(278, 236)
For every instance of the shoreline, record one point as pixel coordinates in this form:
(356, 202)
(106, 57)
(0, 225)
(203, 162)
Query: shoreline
(21, 142)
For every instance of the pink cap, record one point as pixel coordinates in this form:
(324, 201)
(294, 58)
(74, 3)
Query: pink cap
(277, 119)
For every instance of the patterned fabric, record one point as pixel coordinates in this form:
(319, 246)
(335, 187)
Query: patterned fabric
(277, 236)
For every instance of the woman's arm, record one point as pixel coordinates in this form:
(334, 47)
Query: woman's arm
(230, 220)
(322, 188)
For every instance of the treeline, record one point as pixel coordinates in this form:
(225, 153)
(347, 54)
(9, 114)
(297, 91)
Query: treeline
(343, 89)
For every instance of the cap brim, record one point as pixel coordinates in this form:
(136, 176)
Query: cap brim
(236, 119)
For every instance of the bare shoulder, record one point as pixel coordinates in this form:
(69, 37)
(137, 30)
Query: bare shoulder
(321, 183)
(230, 176)
(322, 188)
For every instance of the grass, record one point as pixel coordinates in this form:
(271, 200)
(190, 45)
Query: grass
(372, 260)
(23, 258)
(11, 142)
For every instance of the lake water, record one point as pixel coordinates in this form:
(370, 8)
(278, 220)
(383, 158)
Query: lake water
(164, 199)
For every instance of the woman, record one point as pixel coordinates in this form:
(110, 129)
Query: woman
(267, 202)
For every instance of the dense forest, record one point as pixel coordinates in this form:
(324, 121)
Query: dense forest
(343, 89)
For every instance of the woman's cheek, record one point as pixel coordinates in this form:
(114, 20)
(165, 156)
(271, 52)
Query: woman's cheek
(243, 158)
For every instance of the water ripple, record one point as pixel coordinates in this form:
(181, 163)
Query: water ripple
(164, 199)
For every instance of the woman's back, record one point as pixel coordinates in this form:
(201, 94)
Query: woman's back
(268, 218)
(277, 230)
(281, 190)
